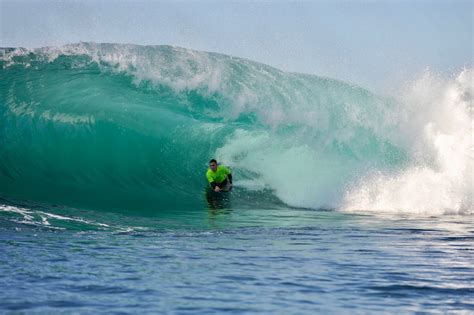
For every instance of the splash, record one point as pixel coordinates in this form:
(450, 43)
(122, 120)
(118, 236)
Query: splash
(436, 126)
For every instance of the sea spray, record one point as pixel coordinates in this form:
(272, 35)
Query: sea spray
(436, 126)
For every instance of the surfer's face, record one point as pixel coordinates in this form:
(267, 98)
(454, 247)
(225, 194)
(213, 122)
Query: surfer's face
(213, 166)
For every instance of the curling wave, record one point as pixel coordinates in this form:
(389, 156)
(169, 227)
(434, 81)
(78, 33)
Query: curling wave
(128, 126)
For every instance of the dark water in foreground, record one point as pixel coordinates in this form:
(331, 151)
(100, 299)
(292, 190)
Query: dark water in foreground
(280, 261)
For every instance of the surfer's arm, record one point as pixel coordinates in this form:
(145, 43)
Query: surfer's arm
(228, 173)
(211, 181)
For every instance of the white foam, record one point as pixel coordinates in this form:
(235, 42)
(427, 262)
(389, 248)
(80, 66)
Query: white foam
(431, 123)
(437, 127)
(297, 173)
(31, 217)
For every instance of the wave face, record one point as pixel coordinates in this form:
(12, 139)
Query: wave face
(126, 126)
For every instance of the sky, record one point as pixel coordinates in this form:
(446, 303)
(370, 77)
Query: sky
(379, 45)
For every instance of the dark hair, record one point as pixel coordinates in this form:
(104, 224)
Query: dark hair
(212, 161)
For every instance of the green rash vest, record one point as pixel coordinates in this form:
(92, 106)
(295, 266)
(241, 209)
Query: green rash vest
(219, 175)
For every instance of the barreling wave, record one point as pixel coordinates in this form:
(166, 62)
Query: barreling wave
(127, 126)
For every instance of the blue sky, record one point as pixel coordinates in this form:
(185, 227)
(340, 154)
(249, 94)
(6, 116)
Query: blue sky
(376, 44)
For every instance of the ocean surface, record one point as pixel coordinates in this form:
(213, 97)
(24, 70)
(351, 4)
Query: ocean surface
(345, 201)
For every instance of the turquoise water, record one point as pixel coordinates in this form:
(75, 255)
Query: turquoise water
(344, 200)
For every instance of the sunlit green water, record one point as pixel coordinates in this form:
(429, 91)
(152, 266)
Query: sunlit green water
(132, 127)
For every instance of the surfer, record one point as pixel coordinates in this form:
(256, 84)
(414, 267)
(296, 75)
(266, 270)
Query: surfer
(219, 177)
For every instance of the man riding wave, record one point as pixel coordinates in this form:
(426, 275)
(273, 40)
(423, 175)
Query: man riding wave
(219, 176)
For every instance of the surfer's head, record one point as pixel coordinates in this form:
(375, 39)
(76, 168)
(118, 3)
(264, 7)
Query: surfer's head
(213, 165)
